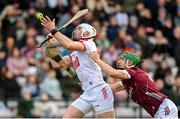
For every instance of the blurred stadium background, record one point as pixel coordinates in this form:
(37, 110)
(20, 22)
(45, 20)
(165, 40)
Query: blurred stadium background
(29, 87)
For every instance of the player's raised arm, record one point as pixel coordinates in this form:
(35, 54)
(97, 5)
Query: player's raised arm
(108, 69)
(62, 39)
(120, 74)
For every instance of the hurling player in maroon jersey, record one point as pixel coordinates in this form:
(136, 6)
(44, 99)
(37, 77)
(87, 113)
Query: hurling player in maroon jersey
(139, 85)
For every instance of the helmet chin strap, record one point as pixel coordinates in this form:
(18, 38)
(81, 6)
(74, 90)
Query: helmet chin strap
(88, 38)
(84, 38)
(129, 66)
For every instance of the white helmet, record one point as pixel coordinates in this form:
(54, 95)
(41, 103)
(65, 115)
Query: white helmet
(88, 31)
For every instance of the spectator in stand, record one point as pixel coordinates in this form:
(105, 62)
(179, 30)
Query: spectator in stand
(177, 92)
(177, 44)
(65, 18)
(43, 70)
(45, 108)
(177, 16)
(133, 25)
(21, 28)
(32, 86)
(25, 105)
(161, 70)
(142, 39)
(10, 86)
(30, 51)
(162, 15)
(88, 18)
(121, 16)
(110, 55)
(2, 58)
(99, 12)
(102, 41)
(130, 45)
(160, 84)
(168, 5)
(30, 32)
(8, 19)
(162, 46)
(121, 38)
(147, 21)
(139, 8)
(51, 86)
(9, 45)
(112, 29)
(97, 25)
(17, 64)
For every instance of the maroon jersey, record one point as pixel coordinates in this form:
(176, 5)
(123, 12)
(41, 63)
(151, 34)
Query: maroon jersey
(142, 89)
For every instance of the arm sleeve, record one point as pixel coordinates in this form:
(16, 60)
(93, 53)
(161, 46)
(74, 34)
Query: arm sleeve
(83, 45)
(90, 46)
(126, 72)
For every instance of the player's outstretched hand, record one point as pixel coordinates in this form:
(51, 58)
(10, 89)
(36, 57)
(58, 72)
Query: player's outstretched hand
(48, 23)
(95, 56)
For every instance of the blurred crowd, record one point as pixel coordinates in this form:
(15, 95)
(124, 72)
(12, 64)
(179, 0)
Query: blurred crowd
(150, 28)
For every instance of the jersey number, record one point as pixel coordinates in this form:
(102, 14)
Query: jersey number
(76, 63)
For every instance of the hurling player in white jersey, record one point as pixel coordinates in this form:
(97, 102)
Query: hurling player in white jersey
(97, 94)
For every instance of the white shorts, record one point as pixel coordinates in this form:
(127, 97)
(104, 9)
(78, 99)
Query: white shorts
(167, 110)
(100, 99)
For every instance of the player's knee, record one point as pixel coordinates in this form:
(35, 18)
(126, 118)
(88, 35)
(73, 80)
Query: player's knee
(73, 112)
(66, 114)
(106, 115)
(69, 114)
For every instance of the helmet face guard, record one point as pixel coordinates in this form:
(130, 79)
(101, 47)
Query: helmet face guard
(88, 31)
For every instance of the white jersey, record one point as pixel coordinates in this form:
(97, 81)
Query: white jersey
(88, 71)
